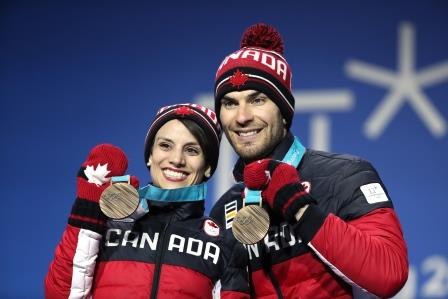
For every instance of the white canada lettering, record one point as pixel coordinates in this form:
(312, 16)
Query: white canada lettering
(208, 252)
(131, 238)
(151, 242)
(110, 243)
(113, 239)
(255, 54)
(270, 240)
(234, 56)
(252, 249)
(286, 236)
(195, 247)
(190, 249)
(272, 61)
(282, 70)
(277, 238)
(172, 244)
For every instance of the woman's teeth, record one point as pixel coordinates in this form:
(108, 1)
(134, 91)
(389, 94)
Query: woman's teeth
(174, 174)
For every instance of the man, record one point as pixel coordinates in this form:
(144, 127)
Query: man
(333, 231)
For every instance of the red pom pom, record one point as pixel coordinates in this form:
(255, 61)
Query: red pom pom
(262, 36)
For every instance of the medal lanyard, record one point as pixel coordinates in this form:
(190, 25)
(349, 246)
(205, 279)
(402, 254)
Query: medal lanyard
(153, 193)
(190, 193)
(292, 157)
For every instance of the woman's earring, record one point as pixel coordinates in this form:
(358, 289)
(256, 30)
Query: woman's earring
(207, 172)
(149, 163)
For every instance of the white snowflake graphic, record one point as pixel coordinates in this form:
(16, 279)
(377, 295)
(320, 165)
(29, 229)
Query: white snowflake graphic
(405, 84)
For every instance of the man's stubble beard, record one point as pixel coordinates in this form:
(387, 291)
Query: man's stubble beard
(262, 151)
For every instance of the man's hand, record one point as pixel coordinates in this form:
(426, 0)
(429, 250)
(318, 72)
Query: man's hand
(280, 185)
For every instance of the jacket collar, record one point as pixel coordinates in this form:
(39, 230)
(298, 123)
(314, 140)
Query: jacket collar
(181, 203)
(179, 210)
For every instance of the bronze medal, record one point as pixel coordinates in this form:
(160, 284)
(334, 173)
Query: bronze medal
(250, 224)
(119, 200)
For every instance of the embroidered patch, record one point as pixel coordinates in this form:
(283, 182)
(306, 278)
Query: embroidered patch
(374, 193)
(183, 111)
(307, 186)
(211, 228)
(230, 210)
(238, 79)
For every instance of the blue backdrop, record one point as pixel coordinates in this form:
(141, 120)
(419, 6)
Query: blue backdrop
(370, 78)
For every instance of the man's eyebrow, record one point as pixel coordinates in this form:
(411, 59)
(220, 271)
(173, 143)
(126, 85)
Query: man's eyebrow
(227, 98)
(251, 95)
(254, 94)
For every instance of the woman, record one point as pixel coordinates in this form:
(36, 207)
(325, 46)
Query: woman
(173, 251)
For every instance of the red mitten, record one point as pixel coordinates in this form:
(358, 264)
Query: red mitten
(280, 185)
(103, 162)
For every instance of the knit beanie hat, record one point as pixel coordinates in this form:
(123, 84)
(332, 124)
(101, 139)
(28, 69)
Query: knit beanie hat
(258, 65)
(204, 117)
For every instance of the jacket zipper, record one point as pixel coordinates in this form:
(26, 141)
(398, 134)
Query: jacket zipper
(273, 280)
(159, 260)
(275, 284)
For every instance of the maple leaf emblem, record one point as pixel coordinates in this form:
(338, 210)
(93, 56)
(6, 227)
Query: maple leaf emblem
(183, 111)
(238, 79)
(211, 228)
(212, 224)
(97, 175)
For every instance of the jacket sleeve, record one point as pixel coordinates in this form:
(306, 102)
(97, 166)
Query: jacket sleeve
(364, 243)
(235, 277)
(70, 274)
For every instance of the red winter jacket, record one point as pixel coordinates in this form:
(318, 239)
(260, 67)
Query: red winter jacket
(349, 245)
(172, 252)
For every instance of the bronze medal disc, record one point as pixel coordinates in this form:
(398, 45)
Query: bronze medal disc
(119, 200)
(250, 224)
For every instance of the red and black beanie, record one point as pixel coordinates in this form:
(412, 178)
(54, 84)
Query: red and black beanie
(204, 117)
(258, 65)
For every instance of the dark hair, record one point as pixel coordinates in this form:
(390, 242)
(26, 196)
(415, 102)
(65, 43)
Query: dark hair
(201, 137)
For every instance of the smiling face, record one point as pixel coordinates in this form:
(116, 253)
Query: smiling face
(252, 122)
(177, 160)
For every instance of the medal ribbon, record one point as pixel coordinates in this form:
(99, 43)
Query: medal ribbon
(190, 193)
